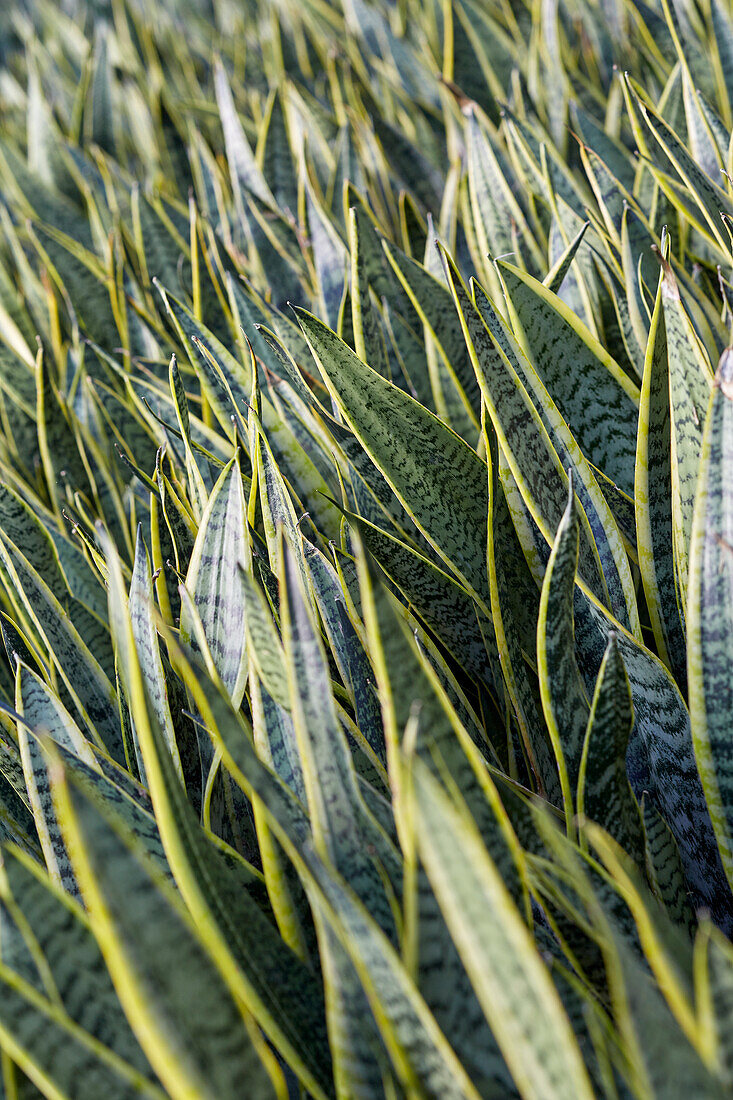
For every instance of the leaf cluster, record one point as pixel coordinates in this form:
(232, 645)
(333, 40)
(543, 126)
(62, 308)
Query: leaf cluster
(366, 549)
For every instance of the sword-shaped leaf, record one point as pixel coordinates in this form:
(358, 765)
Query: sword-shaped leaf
(500, 223)
(43, 711)
(709, 197)
(348, 651)
(58, 1056)
(344, 831)
(220, 894)
(53, 845)
(244, 170)
(710, 611)
(455, 390)
(180, 1005)
(604, 793)
(653, 501)
(564, 698)
(266, 648)
(588, 387)
(443, 604)
(142, 607)
(368, 337)
(421, 1055)
(214, 579)
(408, 689)
(664, 870)
(75, 964)
(88, 686)
(717, 989)
(723, 39)
(539, 448)
(689, 391)
(439, 479)
(511, 981)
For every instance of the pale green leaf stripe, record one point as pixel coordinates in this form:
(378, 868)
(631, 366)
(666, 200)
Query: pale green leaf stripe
(266, 651)
(141, 604)
(260, 969)
(214, 579)
(419, 1051)
(689, 392)
(710, 611)
(55, 853)
(438, 478)
(343, 830)
(513, 986)
(179, 1005)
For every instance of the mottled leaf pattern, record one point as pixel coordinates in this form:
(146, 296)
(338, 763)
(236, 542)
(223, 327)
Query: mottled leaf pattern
(214, 579)
(365, 571)
(604, 794)
(177, 998)
(710, 608)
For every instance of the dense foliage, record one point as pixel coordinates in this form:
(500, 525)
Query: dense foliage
(366, 549)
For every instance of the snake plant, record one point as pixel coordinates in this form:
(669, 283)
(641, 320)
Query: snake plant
(366, 549)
